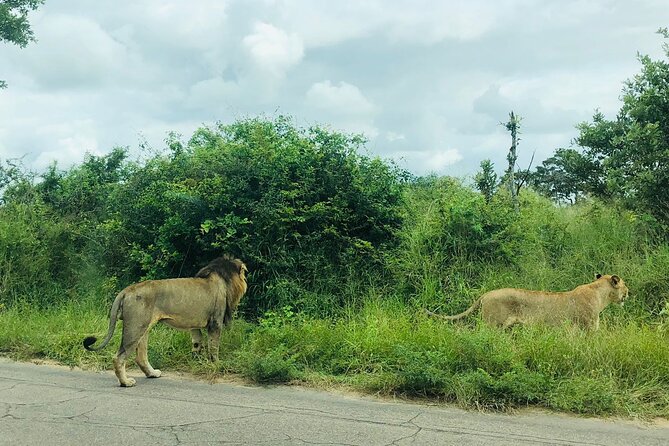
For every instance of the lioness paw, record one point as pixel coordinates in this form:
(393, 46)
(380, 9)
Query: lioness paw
(156, 374)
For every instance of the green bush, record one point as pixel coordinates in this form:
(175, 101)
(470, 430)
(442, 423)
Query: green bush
(302, 207)
(598, 396)
(267, 357)
(307, 212)
(38, 255)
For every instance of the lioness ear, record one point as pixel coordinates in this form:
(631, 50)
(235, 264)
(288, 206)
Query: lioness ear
(598, 276)
(615, 280)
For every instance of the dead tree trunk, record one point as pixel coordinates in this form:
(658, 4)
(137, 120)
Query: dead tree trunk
(512, 126)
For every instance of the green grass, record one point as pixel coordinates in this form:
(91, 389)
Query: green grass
(388, 348)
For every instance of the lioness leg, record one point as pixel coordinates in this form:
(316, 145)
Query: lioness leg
(213, 340)
(196, 339)
(591, 324)
(511, 321)
(142, 358)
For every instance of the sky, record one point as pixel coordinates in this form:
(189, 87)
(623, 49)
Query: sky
(427, 82)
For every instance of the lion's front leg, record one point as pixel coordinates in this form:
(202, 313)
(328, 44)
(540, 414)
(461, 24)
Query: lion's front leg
(196, 339)
(213, 339)
(592, 324)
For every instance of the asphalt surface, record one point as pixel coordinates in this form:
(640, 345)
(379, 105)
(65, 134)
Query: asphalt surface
(48, 405)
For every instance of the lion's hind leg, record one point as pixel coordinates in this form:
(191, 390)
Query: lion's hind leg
(119, 367)
(133, 331)
(142, 358)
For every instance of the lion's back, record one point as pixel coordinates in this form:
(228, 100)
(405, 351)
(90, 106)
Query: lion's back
(524, 305)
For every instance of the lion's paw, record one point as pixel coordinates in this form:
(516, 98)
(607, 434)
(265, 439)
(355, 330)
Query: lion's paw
(130, 382)
(156, 374)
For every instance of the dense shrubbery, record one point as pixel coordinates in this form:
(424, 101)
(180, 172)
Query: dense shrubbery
(303, 208)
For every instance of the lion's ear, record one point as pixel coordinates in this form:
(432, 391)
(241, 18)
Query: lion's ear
(598, 276)
(243, 269)
(615, 280)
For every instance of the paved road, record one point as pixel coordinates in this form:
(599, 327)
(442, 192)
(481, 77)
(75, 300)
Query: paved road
(47, 405)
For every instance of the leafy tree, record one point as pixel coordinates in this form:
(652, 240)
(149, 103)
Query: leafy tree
(566, 176)
(631, 152)
(83, 191)
(14, 25)
(486, 180)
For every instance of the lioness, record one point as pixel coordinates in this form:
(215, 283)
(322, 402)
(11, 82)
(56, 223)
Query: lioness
(582, 305)
(204, 301)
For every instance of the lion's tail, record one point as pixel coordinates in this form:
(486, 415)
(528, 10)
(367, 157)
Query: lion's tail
(113, 317)
(455, 317)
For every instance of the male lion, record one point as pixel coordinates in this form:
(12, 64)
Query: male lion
(206, 300)
(582, 305)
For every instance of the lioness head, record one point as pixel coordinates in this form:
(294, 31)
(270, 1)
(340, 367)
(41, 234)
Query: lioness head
(619, 290)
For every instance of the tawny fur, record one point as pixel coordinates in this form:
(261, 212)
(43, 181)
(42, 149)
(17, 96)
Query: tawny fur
(204, 301)
(582, 305)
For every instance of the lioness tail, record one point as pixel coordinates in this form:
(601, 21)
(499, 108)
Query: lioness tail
(113, 317)
(457, 316)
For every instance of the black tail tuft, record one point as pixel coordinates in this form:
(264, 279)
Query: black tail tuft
(89, 341)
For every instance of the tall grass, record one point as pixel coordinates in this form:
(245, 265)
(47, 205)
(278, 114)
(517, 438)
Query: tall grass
(385, 347)
(544, 247)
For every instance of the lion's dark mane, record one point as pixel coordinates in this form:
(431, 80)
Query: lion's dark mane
(226, 267)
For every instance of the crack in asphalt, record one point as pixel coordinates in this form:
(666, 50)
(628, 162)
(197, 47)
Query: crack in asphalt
(150, 433)
(72, 417)
(532, 439)
(12, 406)
(8, 411)
(143, 427)
(411, 422)
(47, 403)
(291, 438)
(176, 435)
(12, 387)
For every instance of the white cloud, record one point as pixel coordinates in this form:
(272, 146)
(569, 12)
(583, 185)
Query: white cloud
(211, 93)
(426, 21)
(71, 140)
(345, 99)
(196, 25)
(344, 106)
(393, 136)
(440, 159)
(75, 52)
(419, 21)
(428, 161)
(272, 49)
